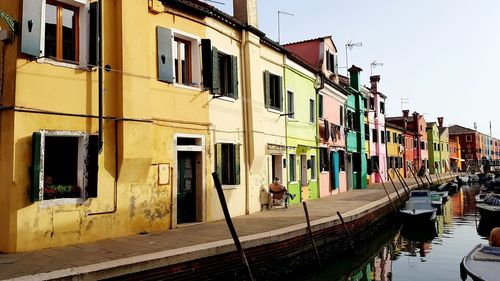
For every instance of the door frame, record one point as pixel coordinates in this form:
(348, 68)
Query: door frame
(189, 148)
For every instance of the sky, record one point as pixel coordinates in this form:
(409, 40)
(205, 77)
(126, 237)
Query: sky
(440, 57)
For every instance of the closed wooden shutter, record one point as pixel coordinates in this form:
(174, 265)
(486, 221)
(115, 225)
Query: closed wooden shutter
(165, 59)
(31, 29)
(280, 92)
(234, 77)
(237, 171)
(206, 53)
(215, 72)
(36, 193)
(218, 160)
(93, 33)
(267, 89)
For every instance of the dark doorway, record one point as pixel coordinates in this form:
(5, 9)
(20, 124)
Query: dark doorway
(186, 187)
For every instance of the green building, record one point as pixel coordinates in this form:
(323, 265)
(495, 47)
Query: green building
(301, 130)
(356, 152)
(434, 143)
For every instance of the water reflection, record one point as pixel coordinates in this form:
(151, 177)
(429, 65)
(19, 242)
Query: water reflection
(430, 251)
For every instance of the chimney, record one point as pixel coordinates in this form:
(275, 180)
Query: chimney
(406, 113)
(415, 122)
(440, 122)
(246, 12)
(374, 82)
(355, 73)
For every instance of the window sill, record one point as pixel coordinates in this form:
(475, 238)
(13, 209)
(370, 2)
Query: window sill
(187, 87)
(229, 187)
(272, 110)
(63, 64)
(61, 201)
(226, 98)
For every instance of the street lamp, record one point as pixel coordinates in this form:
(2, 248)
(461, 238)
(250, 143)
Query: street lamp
(374, 64)
(349, 45)
(285, 13)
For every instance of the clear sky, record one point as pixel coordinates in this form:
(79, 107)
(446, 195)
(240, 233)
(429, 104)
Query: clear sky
(443, 55)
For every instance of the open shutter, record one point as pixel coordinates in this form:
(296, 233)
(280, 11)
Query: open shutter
(92, 166)
(215, 72)
(31, 30)
(280, 92)
(237, 164)
(327, 60)
(206, 53)
(267, 89)
(335, 169)
(36, 193)
(165, 59)
(218, 160)
(93, 32)
(234, 77)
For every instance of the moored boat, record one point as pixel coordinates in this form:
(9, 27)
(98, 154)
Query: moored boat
(419, 207)
(482, 263)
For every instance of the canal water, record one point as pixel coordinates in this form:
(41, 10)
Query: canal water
(431, 252)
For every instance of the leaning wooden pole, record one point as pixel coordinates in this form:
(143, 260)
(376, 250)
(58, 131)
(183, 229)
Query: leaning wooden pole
(430, 181)
(385, 189)
(403, 183)
(411, 170)
(351, 242)
(309, 230)
(395, 188)
(230, 225)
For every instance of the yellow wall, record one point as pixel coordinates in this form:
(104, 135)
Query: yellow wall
(393, 151)
(132, 91)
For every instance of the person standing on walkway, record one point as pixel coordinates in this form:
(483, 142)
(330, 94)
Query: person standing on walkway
(494, 238)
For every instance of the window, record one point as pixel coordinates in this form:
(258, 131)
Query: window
(365, 102)
(227, 163)
(447, 147)
(367, 132)
(374, 135)
(341, 160)
(220, 70)
(313, 167)
(468, 138)
(320, 106)
(64, 27)
(226, 75)
(312, 111)
(382, 136)
(388, 136)
(435, 148)
(290, 105)
(331, 62)
(400, 138)
(422, 145)
(382, 107)
(182, 61)
(349, 119)
(394, 137)
(415, 143)
(292, 167)
(390, 162)
(273, 91)
(341, 111)
(323, 159)
(64, 165)
(372, 103)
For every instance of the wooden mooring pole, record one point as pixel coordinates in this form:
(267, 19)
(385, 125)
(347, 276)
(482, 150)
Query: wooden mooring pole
(401, 180)
(395, 188)
(430, 181)
(385, 189)
(230, 225)
(411, 170)
(309, 230)
(351, 242)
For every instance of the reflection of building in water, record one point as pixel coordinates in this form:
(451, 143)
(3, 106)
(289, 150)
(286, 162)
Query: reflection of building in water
(382, 264)
(440, 225)
(469, 200)
(458, 206)
(447, 213)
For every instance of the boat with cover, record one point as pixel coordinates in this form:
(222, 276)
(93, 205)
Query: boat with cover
(481, 264)
(489, 209)
(419, 207)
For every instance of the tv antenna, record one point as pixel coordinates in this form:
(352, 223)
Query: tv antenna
(374, 64)
(403, 102)
(349, 45)
(284, 13)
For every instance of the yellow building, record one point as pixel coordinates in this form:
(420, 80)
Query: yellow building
(395, 150)
(172, 112)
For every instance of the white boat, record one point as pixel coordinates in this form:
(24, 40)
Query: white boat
(482, 263)
(419, 207)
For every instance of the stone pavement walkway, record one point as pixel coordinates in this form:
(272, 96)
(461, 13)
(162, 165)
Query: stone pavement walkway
(179, 243)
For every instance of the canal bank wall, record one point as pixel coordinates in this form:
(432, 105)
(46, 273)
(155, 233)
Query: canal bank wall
(276, 243)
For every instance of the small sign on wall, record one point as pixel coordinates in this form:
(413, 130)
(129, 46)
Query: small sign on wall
(163, 173)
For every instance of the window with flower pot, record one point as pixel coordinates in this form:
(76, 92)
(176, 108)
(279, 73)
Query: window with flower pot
(64, 165)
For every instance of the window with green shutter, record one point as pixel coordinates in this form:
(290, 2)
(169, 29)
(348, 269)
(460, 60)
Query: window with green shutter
(273, 91)
(227, 163)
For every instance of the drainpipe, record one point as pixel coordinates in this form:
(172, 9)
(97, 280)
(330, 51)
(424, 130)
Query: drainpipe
(246, 132)
(99, 70)
(319, 87)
